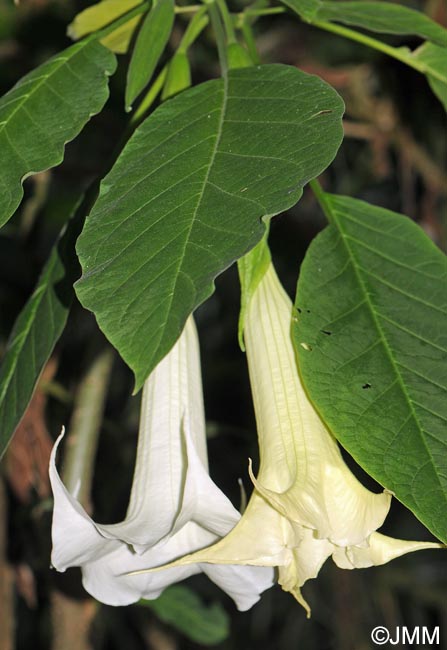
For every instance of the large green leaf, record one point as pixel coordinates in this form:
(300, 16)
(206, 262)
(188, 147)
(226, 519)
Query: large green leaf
(45, 110)
(36, 331)
(150, 44)
(383, 17)
(188, 194)
(371, 339)
(184, 610)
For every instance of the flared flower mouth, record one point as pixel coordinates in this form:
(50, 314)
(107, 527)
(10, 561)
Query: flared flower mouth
(174, 507)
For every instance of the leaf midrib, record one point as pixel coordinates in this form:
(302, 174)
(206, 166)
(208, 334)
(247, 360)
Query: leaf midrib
(200, 197)
(382, 337)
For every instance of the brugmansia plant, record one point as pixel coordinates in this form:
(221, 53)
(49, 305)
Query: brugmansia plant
(359, 359)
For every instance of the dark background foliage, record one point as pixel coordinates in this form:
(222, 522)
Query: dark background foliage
(394, 155)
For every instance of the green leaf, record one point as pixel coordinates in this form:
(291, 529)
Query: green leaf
(45, 110)
(183, 609)
(36, 331)
(370, 334)
(307, 9)
(187, 196)
(432, 60)
(383, 17)
(102, 14)
(151, 42)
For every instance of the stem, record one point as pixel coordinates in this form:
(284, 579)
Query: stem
(227, 21)
(401, 54)
(85, 424)
(148, 100)
(220, 36)
(250, 41)
(360, 38)
(320, 195)
(195, 27)
(269, 11)
(188, 9)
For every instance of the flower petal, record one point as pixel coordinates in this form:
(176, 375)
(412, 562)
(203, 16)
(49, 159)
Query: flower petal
(306, 559)
(241, 546)
(256, 540)
(203, 502)
(108, 579)
(244, 584)
(381, 549)
(124, 576)
(76, 539)
(310, 556)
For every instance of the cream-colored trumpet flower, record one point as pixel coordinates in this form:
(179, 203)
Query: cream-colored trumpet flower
(306, 505)
(174, 509)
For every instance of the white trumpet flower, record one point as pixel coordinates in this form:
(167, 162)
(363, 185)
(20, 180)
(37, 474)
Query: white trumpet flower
(174, 509)
(307, 505)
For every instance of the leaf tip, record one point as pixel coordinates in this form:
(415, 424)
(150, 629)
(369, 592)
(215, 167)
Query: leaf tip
(138, 385)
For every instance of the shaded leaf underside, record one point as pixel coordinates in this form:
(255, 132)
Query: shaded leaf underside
(45, 110)
(187, 196)
(372, 307)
